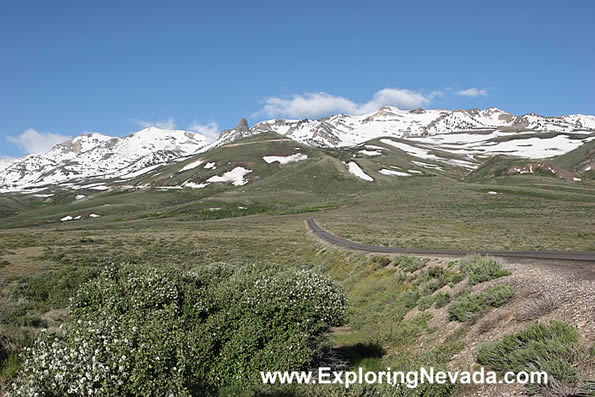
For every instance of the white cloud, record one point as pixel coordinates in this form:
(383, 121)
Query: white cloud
(210, 130)
(312, 105)
(168, 124)
(308, 105)
(473, 92)
(33, 142)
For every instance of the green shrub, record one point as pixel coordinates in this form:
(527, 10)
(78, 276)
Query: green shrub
(406, 332)
(442, 299)
(498, 295)
(467, 306)
(54, 288)
(410, 298)
(430, 286)
(9, 366)
(140, 331)
(436, 277)
(453, 278)
(551, 347)
(425, 302)
(381, 260)
(409, 263)
(480, 269)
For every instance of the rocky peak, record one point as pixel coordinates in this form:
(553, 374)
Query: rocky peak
(241, 130)
(242, 126)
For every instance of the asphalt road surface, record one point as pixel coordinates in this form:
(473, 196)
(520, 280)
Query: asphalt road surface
(581, 256)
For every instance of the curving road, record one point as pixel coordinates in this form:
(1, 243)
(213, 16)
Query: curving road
(582, 256)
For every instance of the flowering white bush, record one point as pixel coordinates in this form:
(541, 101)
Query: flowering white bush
(143, 331)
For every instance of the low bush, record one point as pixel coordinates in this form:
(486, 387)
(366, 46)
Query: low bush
(9, 366)
(551, 347)
(425, 302)
(381, 260)
(442, 299)
(54, 288)
(498, 295)
(481, 269)
(466, 306)
(436, 277)
(409, 263)
(406, 332)
(143, 331)
(453, 278)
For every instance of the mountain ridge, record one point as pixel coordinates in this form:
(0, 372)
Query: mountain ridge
(95, 156)
(348, 130)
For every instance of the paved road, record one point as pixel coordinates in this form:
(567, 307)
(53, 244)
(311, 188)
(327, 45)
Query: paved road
(582, 256)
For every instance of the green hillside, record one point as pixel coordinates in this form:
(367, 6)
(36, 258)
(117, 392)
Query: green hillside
(579, 160)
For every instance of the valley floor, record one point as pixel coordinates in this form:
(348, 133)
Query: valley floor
(50, 258)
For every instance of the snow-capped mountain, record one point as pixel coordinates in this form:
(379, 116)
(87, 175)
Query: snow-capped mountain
(97, 156)
(5, 163)
(94, 158)
(348, 130)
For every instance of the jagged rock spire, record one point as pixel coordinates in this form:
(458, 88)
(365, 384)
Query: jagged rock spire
(243, 125)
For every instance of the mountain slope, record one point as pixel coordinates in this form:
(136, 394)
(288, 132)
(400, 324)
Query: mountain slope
(5, 163)
(348, 130)
(96, 156)
(459, 138)
(272, 173)
(263, 163)
(581, 159)
(576, 166)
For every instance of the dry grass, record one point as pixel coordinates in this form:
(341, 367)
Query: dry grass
(544, 304)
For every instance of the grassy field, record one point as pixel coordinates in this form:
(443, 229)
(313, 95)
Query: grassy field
(532, 213)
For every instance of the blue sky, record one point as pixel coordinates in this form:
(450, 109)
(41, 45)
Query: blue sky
(72, 66)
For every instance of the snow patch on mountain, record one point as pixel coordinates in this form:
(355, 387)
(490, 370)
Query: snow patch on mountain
(355, 169)
(524, 144)
(191, 166)
(134, 174)
(235, 177)
(371, 153)
(193, 185)
(374, 147)
(384, 171)
(427, 165)
(282, 160)
(99, 187)
(412, 150)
